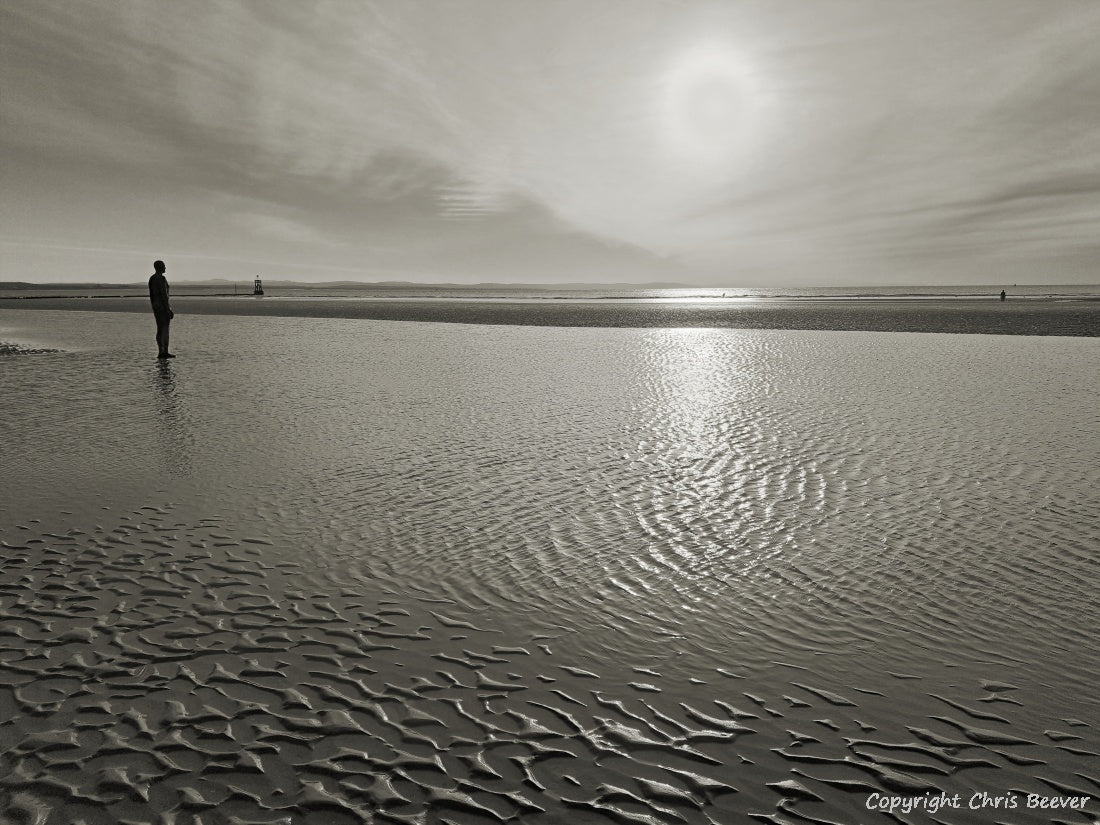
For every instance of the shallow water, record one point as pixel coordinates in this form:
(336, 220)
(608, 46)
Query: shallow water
(849, 536)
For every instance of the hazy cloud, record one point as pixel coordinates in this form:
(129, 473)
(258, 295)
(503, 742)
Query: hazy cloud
(725, 142)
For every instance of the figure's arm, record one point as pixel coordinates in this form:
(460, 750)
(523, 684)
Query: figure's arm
(159, 293)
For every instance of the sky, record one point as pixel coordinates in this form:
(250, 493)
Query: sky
(733, 143)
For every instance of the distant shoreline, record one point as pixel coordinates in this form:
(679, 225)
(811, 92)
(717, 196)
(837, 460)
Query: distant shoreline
(1031, 316)
(869, 296)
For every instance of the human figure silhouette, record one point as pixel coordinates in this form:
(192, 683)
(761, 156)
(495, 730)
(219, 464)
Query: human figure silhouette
(1002, 294)
(162, 311)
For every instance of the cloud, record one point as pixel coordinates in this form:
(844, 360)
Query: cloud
(282, 228)
(726, 136)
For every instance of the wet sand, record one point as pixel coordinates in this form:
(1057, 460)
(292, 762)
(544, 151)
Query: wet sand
(159, 670)
(329, 571)
(1013, 317)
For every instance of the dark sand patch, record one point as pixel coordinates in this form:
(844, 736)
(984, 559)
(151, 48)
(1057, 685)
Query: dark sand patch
(7, 348)
(1022, 317)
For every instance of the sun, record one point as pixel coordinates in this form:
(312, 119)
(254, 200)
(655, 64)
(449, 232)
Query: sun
(708, 106)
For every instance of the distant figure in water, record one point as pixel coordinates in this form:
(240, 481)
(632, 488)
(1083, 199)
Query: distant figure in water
(158, 295)
(1002, 294)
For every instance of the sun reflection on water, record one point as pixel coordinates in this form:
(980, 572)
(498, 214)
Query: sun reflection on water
(698, 375)
(705, 495)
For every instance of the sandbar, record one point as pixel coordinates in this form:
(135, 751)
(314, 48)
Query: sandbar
(1078, 317)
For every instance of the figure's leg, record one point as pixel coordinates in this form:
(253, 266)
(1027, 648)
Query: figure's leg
(167, 322)
(162, 335)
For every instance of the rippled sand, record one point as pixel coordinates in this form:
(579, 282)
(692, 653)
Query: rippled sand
(320, 570)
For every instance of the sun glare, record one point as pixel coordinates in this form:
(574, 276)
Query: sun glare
(708, 99)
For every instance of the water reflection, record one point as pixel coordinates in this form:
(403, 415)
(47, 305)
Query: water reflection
(173, 433)
(697, 505)
(695, 372)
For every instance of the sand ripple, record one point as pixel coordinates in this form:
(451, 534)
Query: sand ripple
(162, 669)
(491, 575)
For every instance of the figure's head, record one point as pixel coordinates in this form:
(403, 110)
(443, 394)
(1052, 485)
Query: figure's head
(158, 266)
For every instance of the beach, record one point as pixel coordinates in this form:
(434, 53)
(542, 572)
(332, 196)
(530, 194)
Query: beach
(592, 562)
(1076, 316)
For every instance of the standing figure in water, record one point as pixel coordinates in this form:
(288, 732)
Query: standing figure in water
(158, 296)
(1002, 294)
